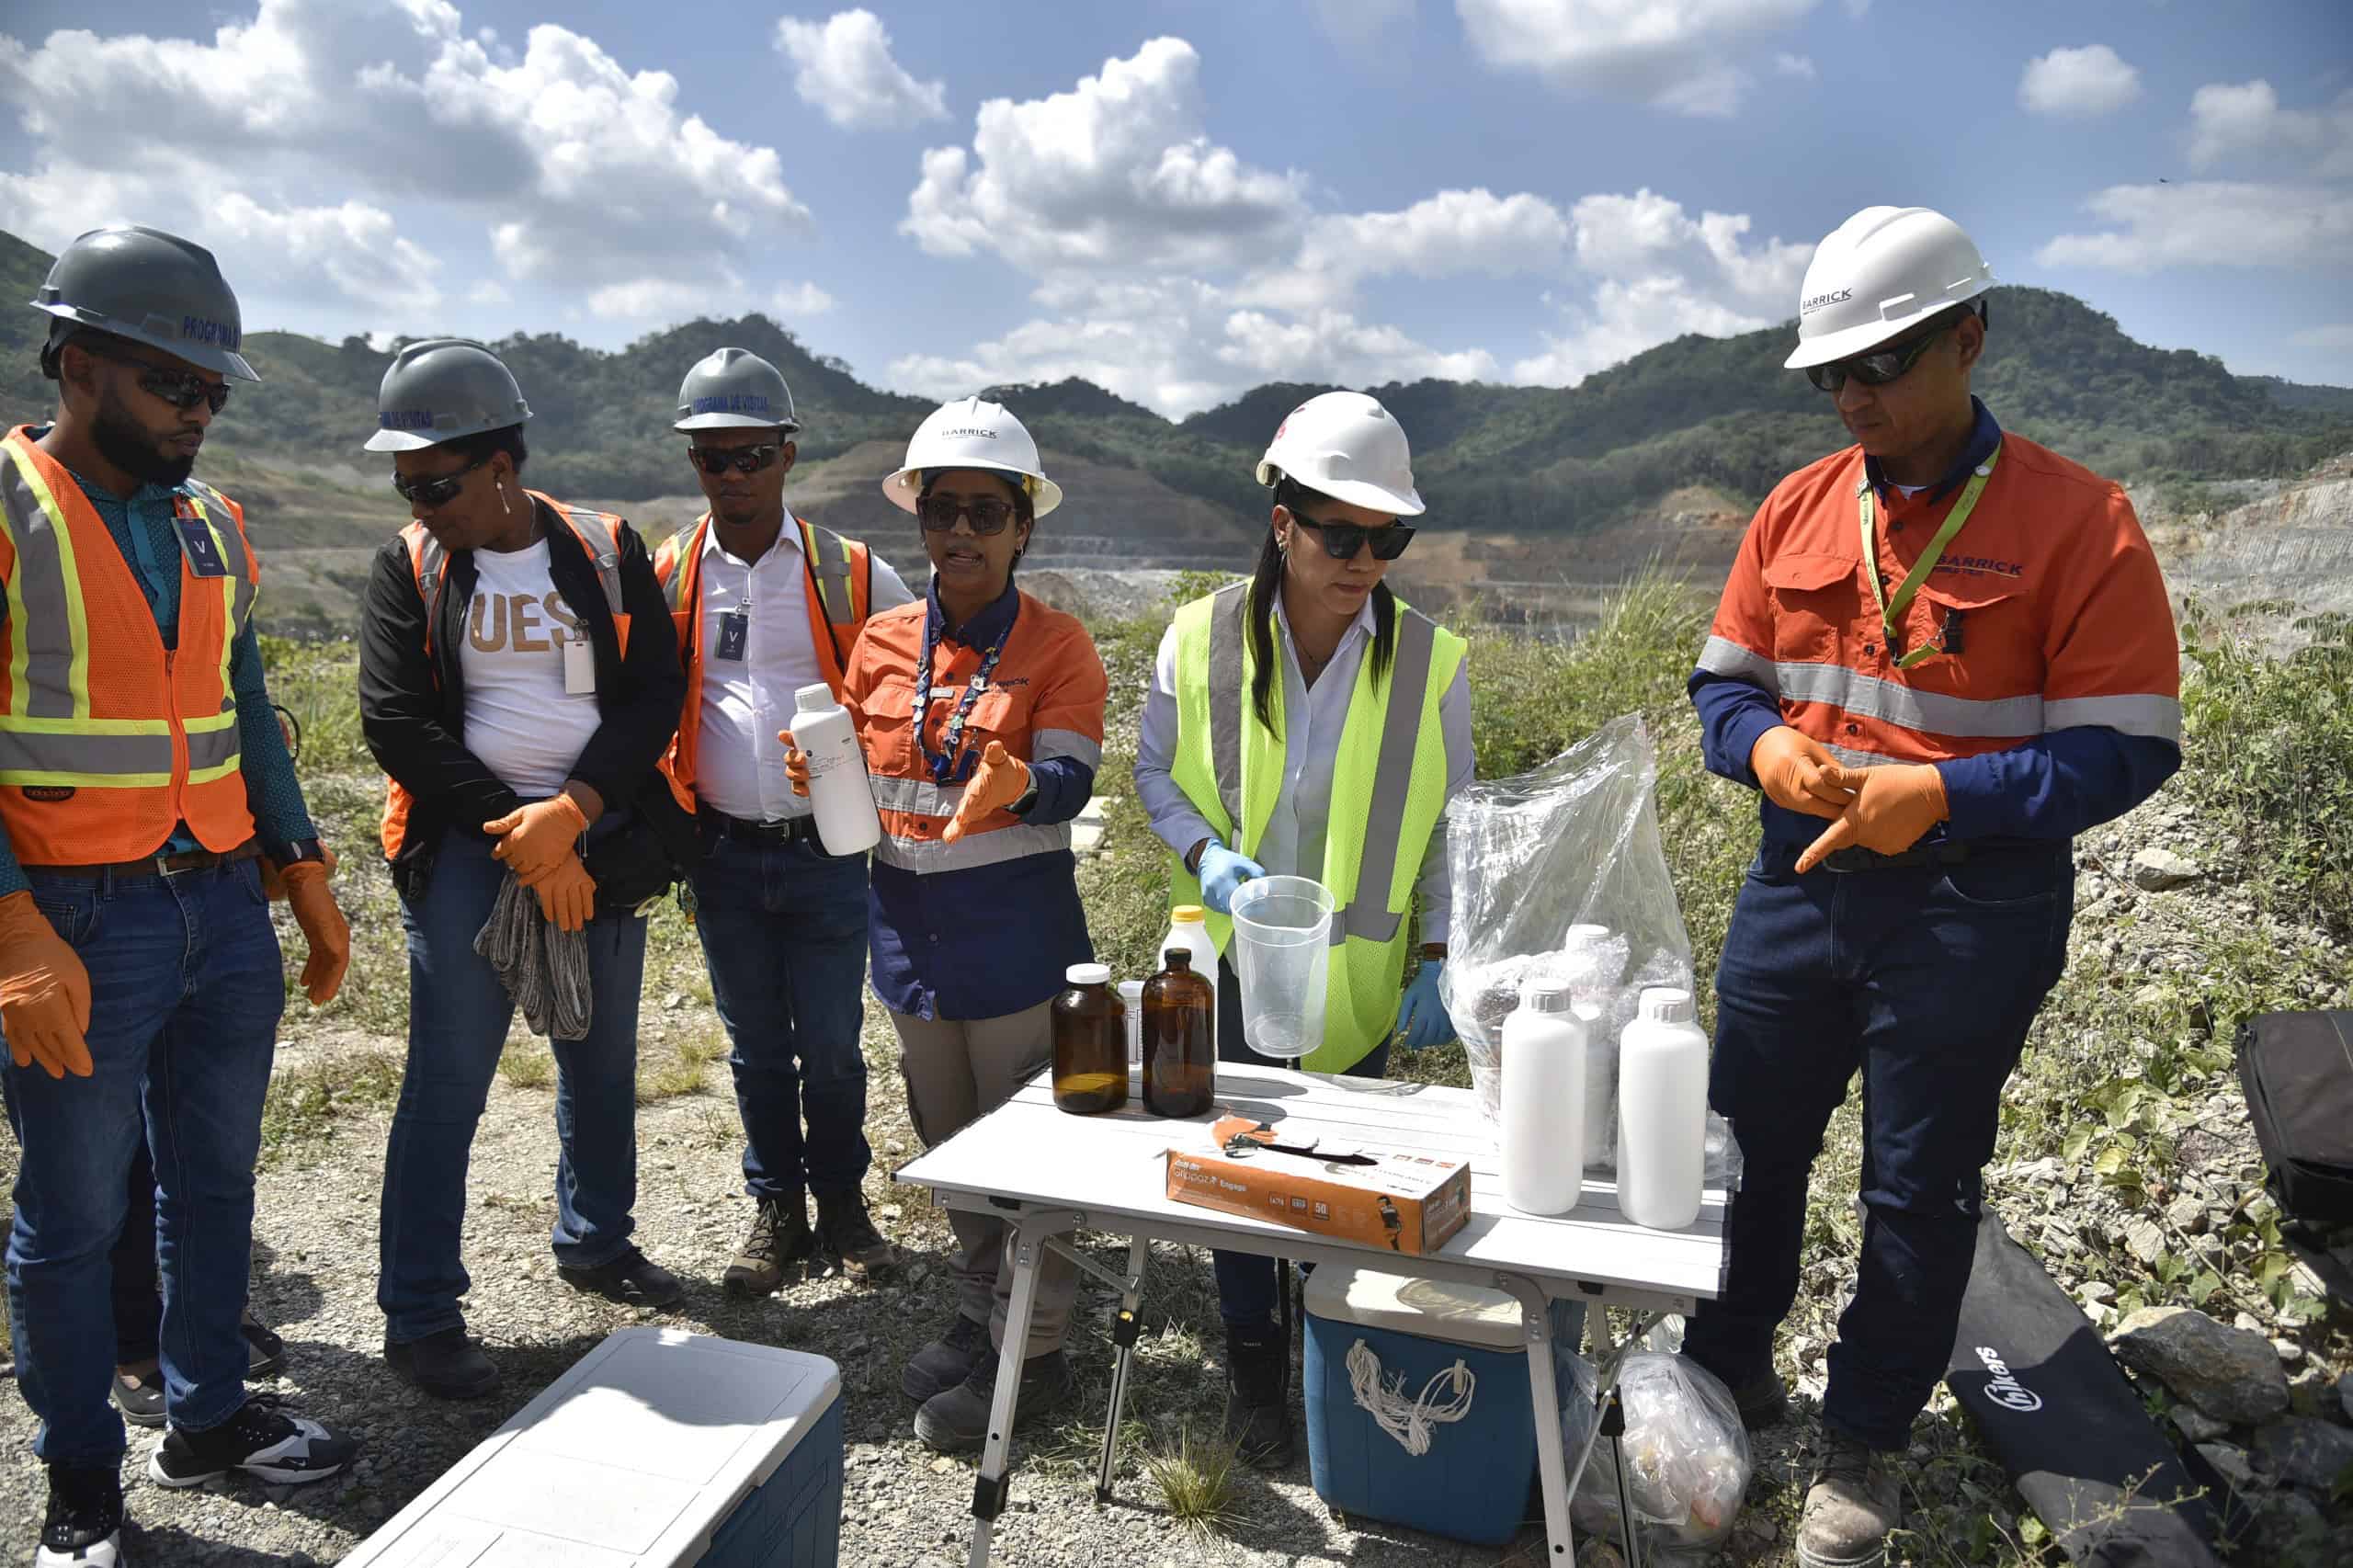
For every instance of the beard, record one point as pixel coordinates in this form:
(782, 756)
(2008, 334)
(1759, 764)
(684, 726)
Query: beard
(134, 449)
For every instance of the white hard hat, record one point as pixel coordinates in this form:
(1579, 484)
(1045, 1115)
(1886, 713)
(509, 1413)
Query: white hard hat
(969, 433)
(1883, 270)
(1344, 445)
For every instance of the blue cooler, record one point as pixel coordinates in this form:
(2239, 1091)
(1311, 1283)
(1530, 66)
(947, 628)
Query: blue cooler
(1473, 1482)
(661, 1448)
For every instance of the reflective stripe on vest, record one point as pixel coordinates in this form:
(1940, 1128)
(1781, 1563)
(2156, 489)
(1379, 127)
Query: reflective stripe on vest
(1389, 792)
(95, 701)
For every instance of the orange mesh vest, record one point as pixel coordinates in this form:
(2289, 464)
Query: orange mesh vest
(841, 581)
(108, 739)
(428, 565)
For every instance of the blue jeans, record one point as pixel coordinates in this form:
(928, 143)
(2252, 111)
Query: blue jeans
(1927, 979)
(1246, 1285)
(783, 929)
(186, 991)
(457, 1015)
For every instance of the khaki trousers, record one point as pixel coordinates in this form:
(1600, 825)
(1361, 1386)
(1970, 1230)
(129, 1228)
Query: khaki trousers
(958, 1070)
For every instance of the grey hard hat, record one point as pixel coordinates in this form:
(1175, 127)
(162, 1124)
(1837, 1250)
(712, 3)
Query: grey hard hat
(733, 390)
(152, 288)
(442, 389)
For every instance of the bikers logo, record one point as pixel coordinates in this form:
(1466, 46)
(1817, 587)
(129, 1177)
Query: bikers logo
(2004, 1390)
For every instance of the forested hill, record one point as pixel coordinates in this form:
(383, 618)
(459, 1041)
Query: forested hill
(1719, 412)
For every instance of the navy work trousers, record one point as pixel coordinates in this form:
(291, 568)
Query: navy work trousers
(1925, 979)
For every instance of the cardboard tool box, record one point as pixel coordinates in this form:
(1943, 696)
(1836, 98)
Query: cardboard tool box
(1408, 1203)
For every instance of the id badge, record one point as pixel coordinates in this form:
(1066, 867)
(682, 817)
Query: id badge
(197, 543)
(579, 667)
(734, 632)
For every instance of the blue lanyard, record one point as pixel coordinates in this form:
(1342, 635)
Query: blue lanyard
(945, 766)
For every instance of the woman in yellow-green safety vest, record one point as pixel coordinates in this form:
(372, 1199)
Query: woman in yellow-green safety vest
(1309, 723)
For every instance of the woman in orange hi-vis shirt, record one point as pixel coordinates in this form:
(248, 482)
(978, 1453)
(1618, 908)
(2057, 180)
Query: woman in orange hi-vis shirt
(980, 713)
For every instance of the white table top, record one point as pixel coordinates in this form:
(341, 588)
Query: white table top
(1110, 1167)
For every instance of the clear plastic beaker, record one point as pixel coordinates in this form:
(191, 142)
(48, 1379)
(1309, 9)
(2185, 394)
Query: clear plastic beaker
(1282, 950)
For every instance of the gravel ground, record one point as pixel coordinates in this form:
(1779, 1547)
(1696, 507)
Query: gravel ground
(315, 1277)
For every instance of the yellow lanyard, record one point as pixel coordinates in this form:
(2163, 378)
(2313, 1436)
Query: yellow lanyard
(1891, 611)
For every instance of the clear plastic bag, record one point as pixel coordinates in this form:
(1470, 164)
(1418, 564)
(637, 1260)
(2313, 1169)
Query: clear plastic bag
(1687, 1460)
(1560, 872)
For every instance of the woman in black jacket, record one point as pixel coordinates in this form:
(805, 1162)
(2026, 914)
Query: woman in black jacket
(520, 724)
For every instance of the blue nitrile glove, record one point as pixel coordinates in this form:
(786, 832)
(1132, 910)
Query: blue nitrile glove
(1421, 1015)
(1223, 873)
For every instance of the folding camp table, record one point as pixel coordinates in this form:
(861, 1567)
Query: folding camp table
(1048, 1175)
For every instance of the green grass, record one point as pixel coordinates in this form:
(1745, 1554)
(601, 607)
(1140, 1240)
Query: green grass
(305, 1102)
(1195, 1476)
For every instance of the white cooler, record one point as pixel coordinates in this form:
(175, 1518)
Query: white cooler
(659, 1449)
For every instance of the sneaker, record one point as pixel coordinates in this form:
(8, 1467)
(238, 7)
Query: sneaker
(265, 1439)
(446, 1365)
(956, 1420)
(139, 1396)
(1257, 1403)
(83, 1526)
(780, 1237)
(846, 1233)
(1850, 1508)
(947, 1360)
(264, 1352)
(632, 1279)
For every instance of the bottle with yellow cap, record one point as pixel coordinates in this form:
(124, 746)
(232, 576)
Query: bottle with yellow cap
(1188, 927)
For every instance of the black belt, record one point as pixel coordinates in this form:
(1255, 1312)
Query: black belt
(158, 865)
(791, 830)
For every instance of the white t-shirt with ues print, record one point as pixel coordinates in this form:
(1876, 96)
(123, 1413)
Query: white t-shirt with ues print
(520, 719)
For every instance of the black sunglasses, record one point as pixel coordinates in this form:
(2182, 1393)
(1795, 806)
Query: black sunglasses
(434, 494)
(939, 512)
(1881, 366)
(1342, 540)
(182, 388)
(743, 459)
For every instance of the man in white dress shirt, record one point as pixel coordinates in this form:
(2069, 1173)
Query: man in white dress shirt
(765, 603)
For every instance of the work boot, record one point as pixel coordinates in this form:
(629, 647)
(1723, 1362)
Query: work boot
(1763, 1400)
(1852, 1505)
(83, 1526)
(446, 1365)
(956, 1420)
(632, 1279)
(264, 1351)
(844, 1229)
(780, 1238)
(1257, 1403)
(947, 1360)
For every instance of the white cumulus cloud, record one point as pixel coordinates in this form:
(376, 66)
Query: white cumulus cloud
(799, 300)
(2210, 223)
(1678, 55)
(843, 67)
(367, 110)
(2093, 80)
(2233, 121)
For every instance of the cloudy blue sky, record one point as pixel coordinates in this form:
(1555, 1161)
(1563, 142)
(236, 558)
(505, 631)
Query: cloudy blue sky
(1181, 199)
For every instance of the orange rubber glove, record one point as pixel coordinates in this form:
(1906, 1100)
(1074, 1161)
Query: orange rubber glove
(796, 764)
(1001, 779)
(534, 839)
(567, 895)
(44, 991)
(1893, 807)
(1793, 770)
(273, 886)
(324, 927)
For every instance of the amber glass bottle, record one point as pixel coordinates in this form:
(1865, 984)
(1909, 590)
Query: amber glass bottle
(1179, 1064)
(1090, 1043)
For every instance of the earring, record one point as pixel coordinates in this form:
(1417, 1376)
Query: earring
(502, 501)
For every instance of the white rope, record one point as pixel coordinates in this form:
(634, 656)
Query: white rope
(545, 968)
(1408, 1421)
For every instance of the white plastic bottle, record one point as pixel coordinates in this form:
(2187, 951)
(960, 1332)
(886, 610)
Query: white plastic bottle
(1543, 1101)
(839, 791)
(1188, 927)
(1592, 970)
(1662, 1112)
